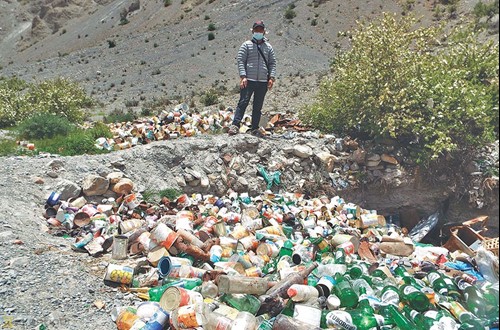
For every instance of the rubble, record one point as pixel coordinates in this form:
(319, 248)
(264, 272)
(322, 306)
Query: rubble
(277, 260)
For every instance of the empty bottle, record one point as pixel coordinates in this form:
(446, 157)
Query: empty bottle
(401, 321)
(281, 288)
(299, 292)
(345, 292)
(242, 302)
(244, 321)
(283, 322)
(415, 298)
(443, 285)
(241, 284)
(422, 322)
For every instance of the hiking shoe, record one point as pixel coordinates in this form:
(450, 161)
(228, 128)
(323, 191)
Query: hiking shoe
(258, 133)
(233, 130)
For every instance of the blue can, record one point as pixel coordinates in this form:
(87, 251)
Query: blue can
(159, 320)
(53, 198)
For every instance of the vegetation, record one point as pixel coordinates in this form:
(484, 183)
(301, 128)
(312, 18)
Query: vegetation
(20, 100)
(290, 12)
(432, 93)
(170, 193)
(210, 98)
(120, 116)
(482, 9)
(211, 36)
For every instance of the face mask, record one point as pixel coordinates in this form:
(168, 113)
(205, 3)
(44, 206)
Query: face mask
(258, 35)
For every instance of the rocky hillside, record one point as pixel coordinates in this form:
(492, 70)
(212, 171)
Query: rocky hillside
(133, 51)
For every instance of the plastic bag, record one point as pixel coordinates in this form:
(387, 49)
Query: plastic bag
(487, 264)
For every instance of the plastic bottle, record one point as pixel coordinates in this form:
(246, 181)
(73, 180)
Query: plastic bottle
(186, 283)
(280, 289)
(216, 321)
(362, 283)
(299, 292)
(244, 321)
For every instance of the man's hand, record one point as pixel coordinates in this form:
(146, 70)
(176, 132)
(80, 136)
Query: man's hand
(243, 83)
(270, 84)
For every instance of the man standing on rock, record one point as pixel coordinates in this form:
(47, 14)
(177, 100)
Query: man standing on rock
(257, 69)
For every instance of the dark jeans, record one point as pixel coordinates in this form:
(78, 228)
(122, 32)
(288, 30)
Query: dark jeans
(259, 90)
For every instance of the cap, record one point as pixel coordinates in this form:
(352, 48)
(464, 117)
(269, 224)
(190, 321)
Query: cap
(258, 23)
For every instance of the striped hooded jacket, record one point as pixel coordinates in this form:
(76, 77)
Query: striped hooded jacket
(251, 63)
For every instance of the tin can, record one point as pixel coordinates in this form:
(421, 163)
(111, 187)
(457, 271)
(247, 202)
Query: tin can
(220, 229)
(53, 198)
(129, 225)
(325, 285)
(119, 274)
(348, 247)
(174, 297)
(158, 321)
(163, 235)
(120, 244)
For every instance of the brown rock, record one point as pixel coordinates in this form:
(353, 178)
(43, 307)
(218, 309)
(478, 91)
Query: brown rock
(389, 159)
(397, 248)
(39, 180)
(94, 185)
(358, 156)
(124, 186)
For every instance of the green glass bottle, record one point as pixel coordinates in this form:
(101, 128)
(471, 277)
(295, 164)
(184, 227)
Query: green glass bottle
(289, 308)
(422, 322)
(186, 283)
(390, 295)
(286, 249)
(401, 321)
(340, 256)
(321, 244)
(366, 321)
(474, 300)
(357, 270)
(345, 292)
(242, 302)
(364, 302)
(443, 285)
(415, 298)
(463, 315)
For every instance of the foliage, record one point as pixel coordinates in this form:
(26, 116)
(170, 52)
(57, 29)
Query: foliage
(290, 13)
(120, 116)
(78, 142)
(210, 98)
(170, 193)
(211, 36)
(167, 3)
(20, 100)
(482, 9)
(7, 147)
(401, 81)
(43, 126)
(211, 27)
(99, 129)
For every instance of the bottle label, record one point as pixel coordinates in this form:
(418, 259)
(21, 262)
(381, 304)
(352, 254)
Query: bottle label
(462, 285)
(340, 319)
(432, 314)
(432, 277)
(380, 320)
(409, 290)
(390, 297)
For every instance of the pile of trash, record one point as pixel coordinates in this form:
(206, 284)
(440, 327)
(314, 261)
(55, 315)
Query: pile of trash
(183, 122)
(279, 261)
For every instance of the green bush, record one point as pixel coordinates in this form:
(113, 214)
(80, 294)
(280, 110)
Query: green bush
(210, 98)
(396, 82)
(290, 13)
(482, 9)
(170, 193)
(78, 142)
(20, 100)
(99, 129)
(211, 27)
(211, 36)
(120, 116)
(7, 147)
(43, 126)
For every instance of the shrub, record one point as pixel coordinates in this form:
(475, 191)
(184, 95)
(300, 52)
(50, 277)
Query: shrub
(20, 100)
(120, 116)
(290, 13)
(170, 193)
(211, 36)
(7, 147)
(43, 126)
(99, 129)
(395, 82)
(167, 3)
(210, 98)
(78, 142)
(481, 9)
(211, 27)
